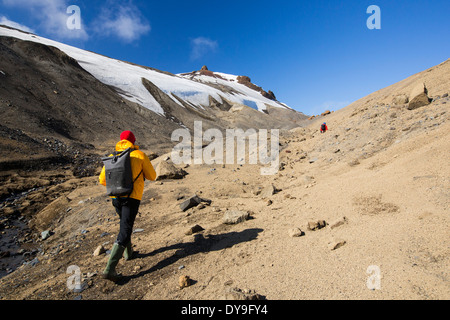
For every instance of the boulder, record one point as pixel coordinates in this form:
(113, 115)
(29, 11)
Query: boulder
(418, 97)
(194, 229)
(167, 170)
(235, 216)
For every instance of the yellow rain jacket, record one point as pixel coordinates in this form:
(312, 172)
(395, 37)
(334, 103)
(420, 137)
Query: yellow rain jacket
(139, 162)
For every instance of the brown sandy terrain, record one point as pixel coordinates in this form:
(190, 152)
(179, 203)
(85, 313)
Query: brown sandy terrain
(379, 178)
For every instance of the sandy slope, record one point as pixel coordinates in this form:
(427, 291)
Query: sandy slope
(382, 167)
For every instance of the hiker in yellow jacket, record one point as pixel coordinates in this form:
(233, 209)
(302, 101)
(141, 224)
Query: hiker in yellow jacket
(127, 207)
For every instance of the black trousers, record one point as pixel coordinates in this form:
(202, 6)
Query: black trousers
(127, 209)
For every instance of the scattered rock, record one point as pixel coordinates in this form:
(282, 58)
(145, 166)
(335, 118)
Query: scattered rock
(228, 283)
(193, 202)
(269, 191)
(257, 191)
(302, 155)
(327, 112)
(295, 232)
(99, 250)
(184, 281)
(167, 170)
(316, 225)
(137, 268)
(338, 223)
(313, 160)
(336, 244)
(194, 229)
(235, 216)
(419, 97)
(45, 234)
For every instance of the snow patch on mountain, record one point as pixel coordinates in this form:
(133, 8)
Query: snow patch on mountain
(127, 79)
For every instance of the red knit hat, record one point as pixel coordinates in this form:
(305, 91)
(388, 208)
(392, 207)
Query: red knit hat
(128, 135)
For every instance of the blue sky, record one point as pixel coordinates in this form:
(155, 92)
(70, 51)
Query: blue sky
(314, 55)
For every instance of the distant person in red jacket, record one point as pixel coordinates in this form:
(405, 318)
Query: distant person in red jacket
(323, 127)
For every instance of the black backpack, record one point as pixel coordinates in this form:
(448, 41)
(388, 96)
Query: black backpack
(323, 127)
(118, 174)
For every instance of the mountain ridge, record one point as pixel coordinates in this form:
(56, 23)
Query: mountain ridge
(57, 91)
(127, 76)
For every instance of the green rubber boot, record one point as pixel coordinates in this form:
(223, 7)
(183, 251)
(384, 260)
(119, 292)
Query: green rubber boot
(128, 253)
(110, 270)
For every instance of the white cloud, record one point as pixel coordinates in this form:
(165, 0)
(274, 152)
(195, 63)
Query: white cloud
(51, 15)
(120, 19)
(201, 46)
(6, 22)
(124, 22)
